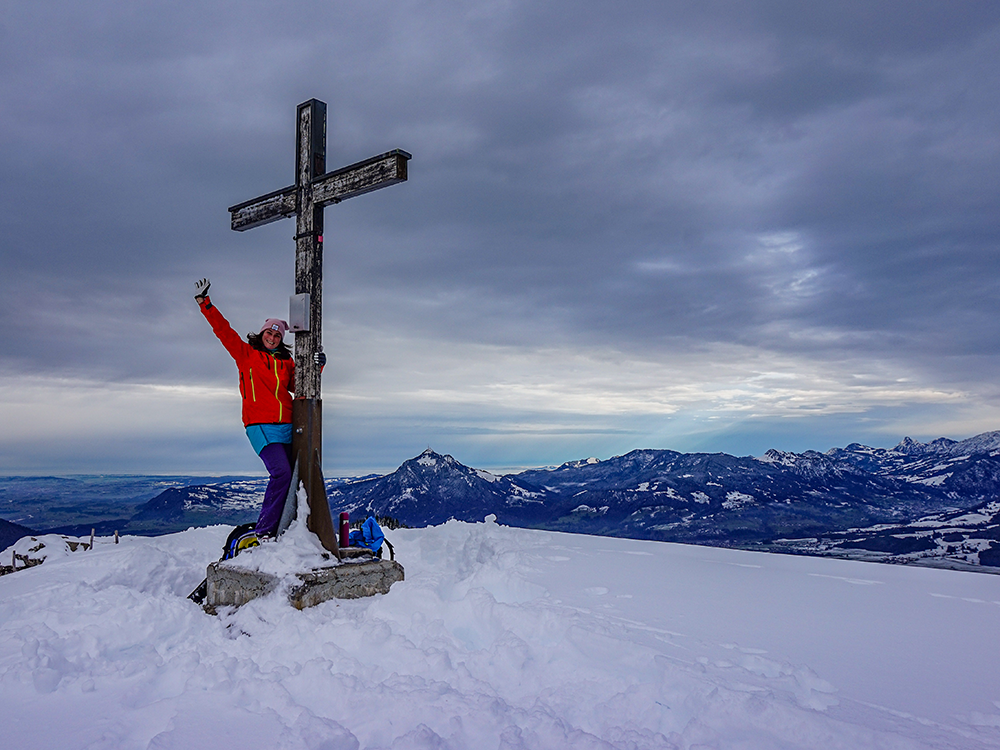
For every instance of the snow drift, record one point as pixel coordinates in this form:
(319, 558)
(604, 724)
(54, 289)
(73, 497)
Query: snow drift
(503, 638)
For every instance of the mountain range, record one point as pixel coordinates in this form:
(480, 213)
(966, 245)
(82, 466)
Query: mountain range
(931, 503)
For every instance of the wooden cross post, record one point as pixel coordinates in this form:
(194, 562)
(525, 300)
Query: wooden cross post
(314, 189)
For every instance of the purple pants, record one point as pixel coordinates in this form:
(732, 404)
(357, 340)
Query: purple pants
(277, 460)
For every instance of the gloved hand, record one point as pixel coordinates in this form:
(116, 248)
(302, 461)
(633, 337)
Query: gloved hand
(320, 358)
(201, 289)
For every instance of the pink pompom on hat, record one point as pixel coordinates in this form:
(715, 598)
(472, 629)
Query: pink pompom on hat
(273, 324)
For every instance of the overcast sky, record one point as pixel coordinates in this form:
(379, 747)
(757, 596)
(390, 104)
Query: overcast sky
(713, 225)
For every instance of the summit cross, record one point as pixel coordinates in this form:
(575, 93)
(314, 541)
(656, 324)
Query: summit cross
(314, 189)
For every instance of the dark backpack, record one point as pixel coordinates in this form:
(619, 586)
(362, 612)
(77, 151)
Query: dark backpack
(241, 538)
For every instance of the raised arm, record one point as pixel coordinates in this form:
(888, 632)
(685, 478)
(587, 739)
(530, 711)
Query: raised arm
(231, 340)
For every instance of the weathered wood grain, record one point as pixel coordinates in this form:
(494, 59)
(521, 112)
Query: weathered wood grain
(363, 177)
(333, 187)
(260, 211)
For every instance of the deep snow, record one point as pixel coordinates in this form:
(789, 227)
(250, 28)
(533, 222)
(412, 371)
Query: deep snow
(503, 638)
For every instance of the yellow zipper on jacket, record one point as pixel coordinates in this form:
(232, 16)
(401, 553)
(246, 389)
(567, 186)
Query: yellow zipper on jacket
(277, 389)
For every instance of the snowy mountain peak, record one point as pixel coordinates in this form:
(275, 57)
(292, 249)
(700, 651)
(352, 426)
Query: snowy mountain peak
(582, 462)
(430, 489)
(431, 460)
(986, 442)
(774, 456)
(428, 458)
(912, 447)
(860, 448)
(908, 445)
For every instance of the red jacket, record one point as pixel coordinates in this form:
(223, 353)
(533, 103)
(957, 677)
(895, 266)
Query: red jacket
(266, 382)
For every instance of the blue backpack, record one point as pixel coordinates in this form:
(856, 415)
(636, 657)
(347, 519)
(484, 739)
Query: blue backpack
(369, 535)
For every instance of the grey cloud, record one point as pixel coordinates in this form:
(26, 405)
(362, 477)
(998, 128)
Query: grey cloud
(582, 173)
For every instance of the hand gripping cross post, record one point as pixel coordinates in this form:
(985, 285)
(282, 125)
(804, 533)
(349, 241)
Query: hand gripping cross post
(314, 189)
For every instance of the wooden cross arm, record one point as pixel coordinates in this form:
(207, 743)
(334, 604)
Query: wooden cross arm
(358, 179)
(332, 187)
(255, 213)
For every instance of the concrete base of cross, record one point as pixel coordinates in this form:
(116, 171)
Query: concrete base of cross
(231, 585)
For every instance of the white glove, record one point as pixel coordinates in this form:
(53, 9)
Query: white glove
(201, 289)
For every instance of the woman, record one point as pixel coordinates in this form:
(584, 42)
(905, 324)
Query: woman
(267, 381)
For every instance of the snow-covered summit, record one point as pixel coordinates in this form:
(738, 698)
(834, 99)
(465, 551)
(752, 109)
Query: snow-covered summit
(774, 456)
(431, 460)
(431, 488)
(503, 639)
(582, 462)
(986, 442)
